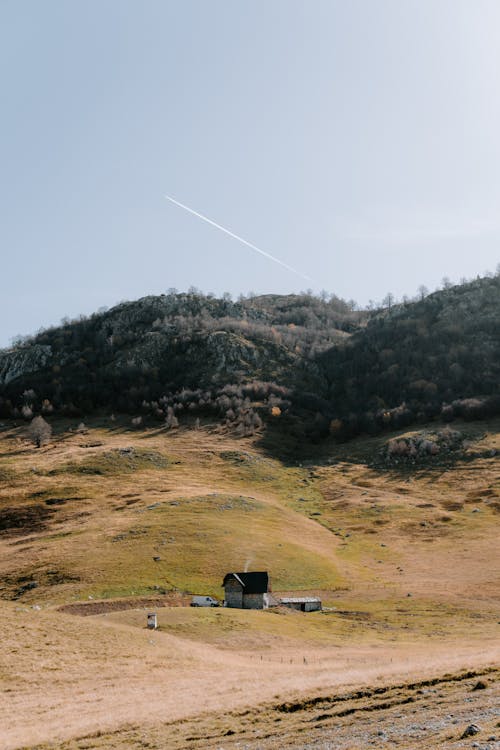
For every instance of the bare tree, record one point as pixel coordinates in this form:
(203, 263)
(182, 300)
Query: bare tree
(423, 291)
(388, 300)
(40, 431)
(47, 407)
(446, 283)
(171, 420)
(27, 411)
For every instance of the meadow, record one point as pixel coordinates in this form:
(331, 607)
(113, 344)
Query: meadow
(110, 522)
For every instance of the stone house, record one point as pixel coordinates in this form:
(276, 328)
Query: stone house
(246, 590)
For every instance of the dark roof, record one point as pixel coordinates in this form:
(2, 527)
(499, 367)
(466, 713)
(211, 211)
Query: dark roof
(252, 583)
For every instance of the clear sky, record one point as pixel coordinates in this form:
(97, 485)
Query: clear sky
(356, 140)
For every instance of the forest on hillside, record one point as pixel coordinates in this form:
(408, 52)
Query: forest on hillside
(176, 357)
(437, 357)
(312, 366)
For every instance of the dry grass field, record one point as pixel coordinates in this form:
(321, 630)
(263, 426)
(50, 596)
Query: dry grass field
(111, 522)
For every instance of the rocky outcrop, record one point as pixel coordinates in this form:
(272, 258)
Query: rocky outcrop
(15, 363)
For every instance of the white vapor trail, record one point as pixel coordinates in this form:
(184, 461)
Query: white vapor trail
(240, 239)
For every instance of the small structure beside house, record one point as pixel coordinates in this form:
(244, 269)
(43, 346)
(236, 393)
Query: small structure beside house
(246, 590)
(302, 603)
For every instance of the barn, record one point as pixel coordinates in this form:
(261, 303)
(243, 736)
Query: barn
(246, 590)
(303, 603)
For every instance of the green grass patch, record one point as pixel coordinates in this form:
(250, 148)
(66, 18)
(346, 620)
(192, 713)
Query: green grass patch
(118, 461)
(197, 540)
(293, 485)
(237, 629)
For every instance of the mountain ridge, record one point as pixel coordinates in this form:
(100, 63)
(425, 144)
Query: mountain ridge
(324, 367)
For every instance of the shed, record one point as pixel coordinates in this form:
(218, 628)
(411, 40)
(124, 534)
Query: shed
(246, 590)
(302, 603)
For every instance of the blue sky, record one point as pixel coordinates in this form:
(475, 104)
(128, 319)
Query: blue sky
(356, 141)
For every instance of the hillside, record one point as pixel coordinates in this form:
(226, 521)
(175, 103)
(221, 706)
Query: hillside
(203, 502)
(176, 352)
(139, 509)
(109, 521)
(301, 366)
(438, 357)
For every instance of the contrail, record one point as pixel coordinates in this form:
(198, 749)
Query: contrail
(240, 239)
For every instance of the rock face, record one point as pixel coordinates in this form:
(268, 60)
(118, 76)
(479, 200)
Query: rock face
(15, 363)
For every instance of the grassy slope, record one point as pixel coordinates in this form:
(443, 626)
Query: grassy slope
(113, 684)
(201, 503)
(97, 508)
(93, 510)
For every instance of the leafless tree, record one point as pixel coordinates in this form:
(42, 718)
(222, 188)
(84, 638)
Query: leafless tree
(27, 411)
(171, 420)
(423, 291)
(47, 407)
(40, 431)
(388, 300)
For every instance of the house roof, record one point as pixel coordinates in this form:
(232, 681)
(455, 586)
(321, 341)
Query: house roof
(252, 583)
(299, 599)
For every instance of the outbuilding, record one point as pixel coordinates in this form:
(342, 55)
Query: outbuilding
(302, 603)
(246, 590)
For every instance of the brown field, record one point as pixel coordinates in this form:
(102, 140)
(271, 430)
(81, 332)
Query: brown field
(405, 560)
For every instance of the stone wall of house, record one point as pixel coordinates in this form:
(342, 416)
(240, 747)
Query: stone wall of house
(233, 594)
(253, 601)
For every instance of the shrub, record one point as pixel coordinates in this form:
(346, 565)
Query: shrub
(39, 431)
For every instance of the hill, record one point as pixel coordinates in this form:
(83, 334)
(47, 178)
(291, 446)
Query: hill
(176, 353)
(302, 366)
(111, 511)
(437, 357)
(108, 521)
(178, 476)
